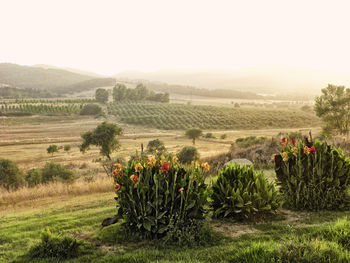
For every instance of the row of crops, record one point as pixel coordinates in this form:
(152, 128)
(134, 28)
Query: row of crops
(181, 116)
(40, 109)
(46, 101)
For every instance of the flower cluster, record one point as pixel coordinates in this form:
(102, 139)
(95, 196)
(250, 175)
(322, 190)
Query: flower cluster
(290, 149)
(118, 170)
(285, 141)
(205, 166)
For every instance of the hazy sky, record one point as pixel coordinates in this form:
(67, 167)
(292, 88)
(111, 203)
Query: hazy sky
(111, 36)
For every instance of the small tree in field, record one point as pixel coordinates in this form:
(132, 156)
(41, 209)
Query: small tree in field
(67, 148)
(193, 134)
(155, 145)
(103, 136)
(11, 177)
(188, 154)
(101, 95)
(52, 149)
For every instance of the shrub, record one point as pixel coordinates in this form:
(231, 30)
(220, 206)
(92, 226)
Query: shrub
(61, 247)
(56, 172)
(67, 148)
(250, 141)
(188, 154)
(223, 136)
(156, 196)
(91, 109)
(313, 177)
(209, 135)
(155, 145)
(11, 177)
(242, 193)
(33, 177)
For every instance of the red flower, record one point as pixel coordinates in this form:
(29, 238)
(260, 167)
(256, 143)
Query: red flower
(283, 140)
(294, 142)
(313, 150)
(117, 187)
(134, 178)
(165, 167)
(181, 189)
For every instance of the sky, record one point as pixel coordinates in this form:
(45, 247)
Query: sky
(108, 37)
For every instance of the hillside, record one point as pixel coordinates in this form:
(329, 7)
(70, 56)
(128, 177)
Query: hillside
(38, 78)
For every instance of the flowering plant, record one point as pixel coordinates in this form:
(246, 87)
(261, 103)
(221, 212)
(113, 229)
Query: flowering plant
(312, 177)
(156, 193)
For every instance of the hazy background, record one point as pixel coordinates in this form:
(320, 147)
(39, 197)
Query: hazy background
(256, 45)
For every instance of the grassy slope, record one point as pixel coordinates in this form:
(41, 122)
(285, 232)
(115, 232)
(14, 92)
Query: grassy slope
(81, 217)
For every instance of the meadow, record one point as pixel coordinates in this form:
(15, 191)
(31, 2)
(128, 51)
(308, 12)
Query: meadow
(78, 209)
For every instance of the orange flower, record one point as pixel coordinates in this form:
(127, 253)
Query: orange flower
(295, 151)
(181, 190)
(175, 159)
(273, 156)
(285, 156)
(306, 150)
(138, 167)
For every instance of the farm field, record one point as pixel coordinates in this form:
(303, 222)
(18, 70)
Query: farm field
(181, 116)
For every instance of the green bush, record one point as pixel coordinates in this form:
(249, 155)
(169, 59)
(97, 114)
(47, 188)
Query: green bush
(53, 148)
(250, 141)
(56, 172)
(313, 178)
(241, 193)
(156, 196)
(11, 177)
(91, 109)
(33, 177)
(154, 145)
(61, 247)
(209, 135)
(188, 154)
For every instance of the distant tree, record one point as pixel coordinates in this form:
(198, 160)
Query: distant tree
(333, 107)
(223, 136)
(91, 109)
(119, 92)
(52, 149)
(155, 145)
(101, 95)
(103, 136)
(142, 92)
(11, 177)
(67, 148)
(193, 134)
(188, 154)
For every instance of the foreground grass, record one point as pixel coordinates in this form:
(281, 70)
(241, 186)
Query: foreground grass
(299, 237)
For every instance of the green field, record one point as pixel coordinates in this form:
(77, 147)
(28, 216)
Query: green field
(295, 237)
(182, 116)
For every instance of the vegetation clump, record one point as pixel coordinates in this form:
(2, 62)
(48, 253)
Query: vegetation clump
(91, 109)
(188, 154)
(11, 177)
(156, 145)
(313, 177)
(33, 177)
(60, 247)
(241, 193)
(158, 198)
(56, 172)
(250, 141)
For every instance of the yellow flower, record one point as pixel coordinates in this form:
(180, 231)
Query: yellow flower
(306, 150)
(295, 151)
(344, 139)
(285, 156)
(181, 190)
(138, 167)
(206, 166)
(175, 159)
(196, 164)
(273, 156)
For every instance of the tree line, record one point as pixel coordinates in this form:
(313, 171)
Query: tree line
(122, 93)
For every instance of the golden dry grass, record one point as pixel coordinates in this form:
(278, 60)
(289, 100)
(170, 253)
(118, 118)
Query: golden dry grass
(55, 189)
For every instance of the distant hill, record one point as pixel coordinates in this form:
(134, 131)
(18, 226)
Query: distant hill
(260, 80)
(87, 85)
(38, 78)
(78, 71)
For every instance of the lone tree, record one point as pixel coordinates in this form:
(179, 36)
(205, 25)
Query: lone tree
(103, 136)
(333, 107)
(193, 134)
(67, 148)
(156, 145)
(101, 95)
(52, 149)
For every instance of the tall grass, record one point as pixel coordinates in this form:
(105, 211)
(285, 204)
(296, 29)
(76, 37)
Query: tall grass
(100, 185)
